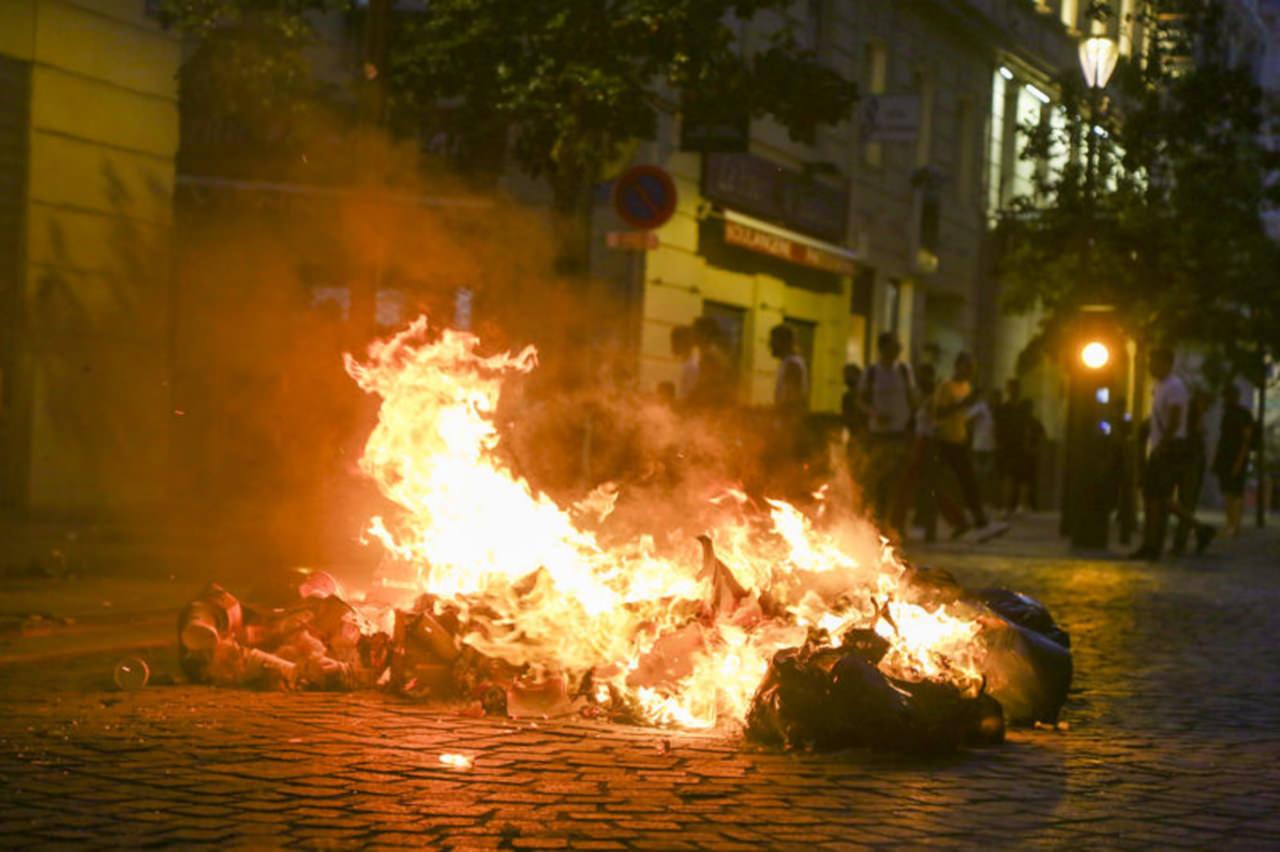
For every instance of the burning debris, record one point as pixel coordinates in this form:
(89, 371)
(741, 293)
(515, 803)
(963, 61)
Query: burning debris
(805, 626)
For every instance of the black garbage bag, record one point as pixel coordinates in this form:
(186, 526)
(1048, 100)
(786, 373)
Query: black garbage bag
(1028, 661)
(837, 698)
(1027, 672)
(1025, 611)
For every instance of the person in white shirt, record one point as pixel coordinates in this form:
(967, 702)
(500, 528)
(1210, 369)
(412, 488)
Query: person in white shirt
(982, 438)
(1167, 455)
(888, 396)
(683, 350)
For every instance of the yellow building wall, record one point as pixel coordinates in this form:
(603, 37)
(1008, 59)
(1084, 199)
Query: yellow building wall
(103, 138)
(677, 282)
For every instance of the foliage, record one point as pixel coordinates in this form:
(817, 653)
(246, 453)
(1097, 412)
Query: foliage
(564, 83)
(1171, 234)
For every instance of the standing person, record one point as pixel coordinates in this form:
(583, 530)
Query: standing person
(1029, 463)
(683, 349)
(791, 386)
(1167, 456)
(1192, 481)
(889, 400)
(713, 386)
(951, 403)
(982, 430)
(1230, 459)
(851, 412)
(1011, 440)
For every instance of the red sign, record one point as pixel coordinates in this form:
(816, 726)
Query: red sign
(645, 196)
(783, 248)
(631, 240)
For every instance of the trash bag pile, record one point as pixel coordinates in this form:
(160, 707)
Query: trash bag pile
(822, 695)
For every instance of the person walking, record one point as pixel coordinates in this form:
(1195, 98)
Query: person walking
(951, 403)
(1231, 457)
(889, 400)
(1167, 456)
(982, 432)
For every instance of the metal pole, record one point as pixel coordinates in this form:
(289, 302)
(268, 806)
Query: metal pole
(1261, 508)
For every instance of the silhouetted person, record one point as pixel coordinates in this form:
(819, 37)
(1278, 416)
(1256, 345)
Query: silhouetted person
(1231, 458)
(951, 403)
(713, 387)
(683, 350)
(791, 385)
(851, 412)
(1167, 456)
(1192, 481)
(888, 397)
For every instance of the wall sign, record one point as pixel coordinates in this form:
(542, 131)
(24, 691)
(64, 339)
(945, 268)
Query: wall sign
(764, 189)
(775, 245)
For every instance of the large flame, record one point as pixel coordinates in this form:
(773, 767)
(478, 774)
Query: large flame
(554, 596)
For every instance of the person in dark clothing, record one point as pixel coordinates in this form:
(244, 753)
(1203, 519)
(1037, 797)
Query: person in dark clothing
(1192, 481)
(1231, 458)
(852, 414)
(1011, 434)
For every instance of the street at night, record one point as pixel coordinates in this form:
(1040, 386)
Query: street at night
(1171, 741)
(664, 424)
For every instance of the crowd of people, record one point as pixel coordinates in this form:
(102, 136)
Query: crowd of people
(924, 447)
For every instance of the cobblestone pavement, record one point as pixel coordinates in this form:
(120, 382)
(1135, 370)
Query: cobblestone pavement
(1174, 740)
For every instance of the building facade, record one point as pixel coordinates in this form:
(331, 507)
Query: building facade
(906, 188)
(88, 133)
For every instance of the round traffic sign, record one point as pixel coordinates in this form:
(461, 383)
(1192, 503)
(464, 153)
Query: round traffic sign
(645, 196)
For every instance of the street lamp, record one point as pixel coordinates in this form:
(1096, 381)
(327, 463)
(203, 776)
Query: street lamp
(1095, 355)
(1098, 57)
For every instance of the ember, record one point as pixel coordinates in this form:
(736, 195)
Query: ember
(496, 595)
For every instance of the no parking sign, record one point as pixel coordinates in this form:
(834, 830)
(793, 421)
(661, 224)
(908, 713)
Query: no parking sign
(645, 196)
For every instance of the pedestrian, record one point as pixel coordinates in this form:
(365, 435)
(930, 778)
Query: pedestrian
(713, 385)
(982, 431)
(1230, 459)
(1192, 481)
(1167, 455)
(851, 412)
(888, 398)
(791, 385)
(687, 355)
(1010, 433)
(951, 402)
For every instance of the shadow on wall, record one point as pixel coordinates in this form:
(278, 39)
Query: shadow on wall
(98, 343)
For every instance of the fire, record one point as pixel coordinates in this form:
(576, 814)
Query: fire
(540, 588)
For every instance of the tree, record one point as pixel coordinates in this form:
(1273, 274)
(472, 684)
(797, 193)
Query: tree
(567, 82)
(1172, 233)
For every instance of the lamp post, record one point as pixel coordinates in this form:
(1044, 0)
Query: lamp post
(1098, 57)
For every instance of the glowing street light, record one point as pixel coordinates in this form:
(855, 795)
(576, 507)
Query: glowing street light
(1095, 355)
(1098, 57)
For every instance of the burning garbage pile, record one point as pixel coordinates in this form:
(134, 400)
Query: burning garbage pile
(803, 626)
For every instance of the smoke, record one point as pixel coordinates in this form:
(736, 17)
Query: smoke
(274, 285)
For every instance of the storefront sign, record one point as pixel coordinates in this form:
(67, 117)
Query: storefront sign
(784, 248)
(762, 188)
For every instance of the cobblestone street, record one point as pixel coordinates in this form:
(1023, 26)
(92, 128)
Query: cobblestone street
(1174, 740)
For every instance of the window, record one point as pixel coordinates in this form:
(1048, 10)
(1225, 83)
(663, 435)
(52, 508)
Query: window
(877, 80)
(995, 138)
(1029, 111)
(892, 308)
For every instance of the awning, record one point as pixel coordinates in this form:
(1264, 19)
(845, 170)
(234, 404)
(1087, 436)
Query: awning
(764, 238)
